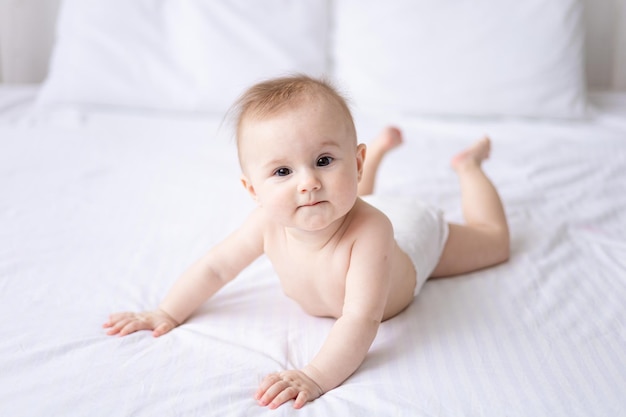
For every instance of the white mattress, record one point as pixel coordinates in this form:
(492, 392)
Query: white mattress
(101, 213)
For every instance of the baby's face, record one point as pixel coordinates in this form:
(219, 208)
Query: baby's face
(303, 164)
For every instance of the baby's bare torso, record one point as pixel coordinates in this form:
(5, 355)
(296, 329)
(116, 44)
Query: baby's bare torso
(315, 277)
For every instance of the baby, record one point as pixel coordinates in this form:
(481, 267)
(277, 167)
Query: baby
(335, 254)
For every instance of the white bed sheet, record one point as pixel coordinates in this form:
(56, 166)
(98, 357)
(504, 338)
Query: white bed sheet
(102, 212)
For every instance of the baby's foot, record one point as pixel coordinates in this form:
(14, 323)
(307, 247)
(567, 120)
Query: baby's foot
(472, 156)
(389, 138)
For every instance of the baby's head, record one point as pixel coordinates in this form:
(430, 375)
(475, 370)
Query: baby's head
(298, 151)
(273, 97)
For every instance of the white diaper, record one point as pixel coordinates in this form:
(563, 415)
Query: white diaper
(419, 229)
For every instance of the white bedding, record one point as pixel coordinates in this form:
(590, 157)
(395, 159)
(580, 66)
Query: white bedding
(101, 212)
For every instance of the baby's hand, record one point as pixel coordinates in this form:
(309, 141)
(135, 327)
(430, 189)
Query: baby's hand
(278, 388)
(126, 323)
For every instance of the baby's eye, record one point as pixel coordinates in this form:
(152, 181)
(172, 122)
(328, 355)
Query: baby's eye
(324, 161)
(282, 172)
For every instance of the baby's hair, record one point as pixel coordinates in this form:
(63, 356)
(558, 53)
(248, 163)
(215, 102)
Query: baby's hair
(272, 96)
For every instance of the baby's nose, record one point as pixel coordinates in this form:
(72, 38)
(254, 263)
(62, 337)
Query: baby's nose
(308, 182)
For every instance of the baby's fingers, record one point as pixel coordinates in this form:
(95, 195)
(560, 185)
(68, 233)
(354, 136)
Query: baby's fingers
(126, 323)
(116, 327)
(135, 325)
(301, 400)
(283, 396)
(262, 395)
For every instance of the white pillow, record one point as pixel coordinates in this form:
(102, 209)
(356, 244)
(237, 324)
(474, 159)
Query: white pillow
(196, 55)
(459, 57)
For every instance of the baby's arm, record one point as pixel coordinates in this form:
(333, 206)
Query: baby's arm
(203, 279)
(367, 289)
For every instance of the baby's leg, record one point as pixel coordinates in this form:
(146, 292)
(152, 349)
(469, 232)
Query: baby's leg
(388, 139)
(484, 239)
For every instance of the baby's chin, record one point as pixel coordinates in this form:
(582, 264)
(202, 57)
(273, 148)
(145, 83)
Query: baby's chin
(314, 225)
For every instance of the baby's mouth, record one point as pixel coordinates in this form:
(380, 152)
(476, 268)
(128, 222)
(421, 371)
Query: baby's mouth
(315, 203)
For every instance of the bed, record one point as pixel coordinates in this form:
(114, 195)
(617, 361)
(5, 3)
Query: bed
(115, 177)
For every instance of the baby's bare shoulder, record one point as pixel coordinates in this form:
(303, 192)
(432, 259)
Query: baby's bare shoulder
(369, 217)
(370, 223)
(255, 226)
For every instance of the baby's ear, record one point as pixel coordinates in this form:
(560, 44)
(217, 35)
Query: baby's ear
(361, 150)
(248, 186)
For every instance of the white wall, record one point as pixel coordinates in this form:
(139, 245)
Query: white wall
(26, 38)
(27, 35)
(605, 24)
